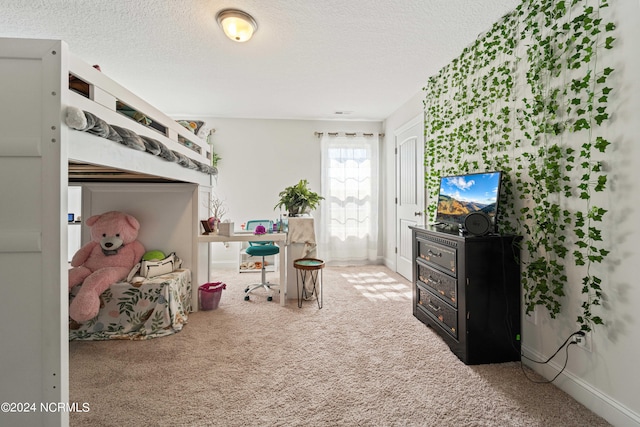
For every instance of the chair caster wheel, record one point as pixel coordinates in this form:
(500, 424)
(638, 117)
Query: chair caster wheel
(269, 298)
(247, 290)
(246, 297)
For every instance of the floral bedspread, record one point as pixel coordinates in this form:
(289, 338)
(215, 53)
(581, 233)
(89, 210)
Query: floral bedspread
(157, 307)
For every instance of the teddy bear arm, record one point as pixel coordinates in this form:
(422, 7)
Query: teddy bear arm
(82, 254)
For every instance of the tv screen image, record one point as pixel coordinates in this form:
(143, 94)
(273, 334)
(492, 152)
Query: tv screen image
(461, 195)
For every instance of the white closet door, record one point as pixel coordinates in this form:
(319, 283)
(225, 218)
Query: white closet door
(409, 190)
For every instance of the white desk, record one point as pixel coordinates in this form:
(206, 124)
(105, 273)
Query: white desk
(280, 239)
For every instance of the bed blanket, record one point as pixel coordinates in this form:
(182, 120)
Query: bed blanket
(85, 121)
(157, 307)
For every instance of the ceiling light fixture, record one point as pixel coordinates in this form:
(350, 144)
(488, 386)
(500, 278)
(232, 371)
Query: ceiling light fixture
(239, 26)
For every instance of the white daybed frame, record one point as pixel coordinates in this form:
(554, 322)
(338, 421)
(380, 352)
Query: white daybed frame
(36, 150)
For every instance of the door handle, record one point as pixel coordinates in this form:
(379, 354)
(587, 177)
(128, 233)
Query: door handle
(417, 213)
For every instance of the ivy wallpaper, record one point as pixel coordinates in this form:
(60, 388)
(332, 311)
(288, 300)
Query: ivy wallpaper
(530, 98)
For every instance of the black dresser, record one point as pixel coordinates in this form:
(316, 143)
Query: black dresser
(467, 288)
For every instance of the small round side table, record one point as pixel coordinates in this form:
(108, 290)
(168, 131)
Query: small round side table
(308, 268)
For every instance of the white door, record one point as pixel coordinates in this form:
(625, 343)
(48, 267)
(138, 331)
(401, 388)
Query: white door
(409, 189)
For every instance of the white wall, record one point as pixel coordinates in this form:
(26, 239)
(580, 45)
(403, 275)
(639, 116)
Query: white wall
(260, 158)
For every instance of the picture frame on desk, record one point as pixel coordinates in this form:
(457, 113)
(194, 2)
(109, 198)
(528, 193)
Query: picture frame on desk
(206, 226)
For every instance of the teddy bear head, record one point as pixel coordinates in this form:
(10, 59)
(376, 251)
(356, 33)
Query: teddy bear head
(112, 230)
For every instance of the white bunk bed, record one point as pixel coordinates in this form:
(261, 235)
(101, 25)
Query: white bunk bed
(39, 156)
(104, 99)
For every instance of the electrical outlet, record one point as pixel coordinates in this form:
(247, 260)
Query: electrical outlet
(584, 341)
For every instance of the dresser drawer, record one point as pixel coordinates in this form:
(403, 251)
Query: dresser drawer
(438, 310)
(439, 255)
(440, 282)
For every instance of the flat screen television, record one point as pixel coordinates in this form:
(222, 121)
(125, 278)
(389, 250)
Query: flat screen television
(461, 195)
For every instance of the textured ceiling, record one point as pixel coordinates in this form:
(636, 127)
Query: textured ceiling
(308, 60)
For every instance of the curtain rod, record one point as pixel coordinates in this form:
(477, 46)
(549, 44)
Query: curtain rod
(319, 134)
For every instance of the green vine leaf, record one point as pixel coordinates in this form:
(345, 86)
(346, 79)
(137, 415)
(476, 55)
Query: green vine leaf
(608, 44)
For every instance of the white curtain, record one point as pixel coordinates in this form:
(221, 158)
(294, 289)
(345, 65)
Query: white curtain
(349, 213)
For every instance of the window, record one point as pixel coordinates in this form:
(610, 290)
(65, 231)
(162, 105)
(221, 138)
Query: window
(349, 213)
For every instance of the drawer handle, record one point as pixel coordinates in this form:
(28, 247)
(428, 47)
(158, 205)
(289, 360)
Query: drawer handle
(434, 307)
(434, 254)
(432, 280)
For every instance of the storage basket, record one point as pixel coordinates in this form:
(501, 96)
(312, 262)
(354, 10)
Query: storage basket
(209, 295)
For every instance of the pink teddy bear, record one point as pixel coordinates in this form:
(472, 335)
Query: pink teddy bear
(108, 258)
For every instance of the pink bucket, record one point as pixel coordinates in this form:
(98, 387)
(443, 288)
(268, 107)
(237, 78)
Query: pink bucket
(209, 295)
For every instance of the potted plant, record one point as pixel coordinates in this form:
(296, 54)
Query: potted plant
(298, 199)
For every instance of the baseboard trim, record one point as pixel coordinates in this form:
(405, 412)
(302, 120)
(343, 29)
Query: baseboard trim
(389, 263)
(224, 265)
(598, 402)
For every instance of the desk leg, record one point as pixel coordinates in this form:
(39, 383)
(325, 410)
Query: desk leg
(201, 273)
(283, 273)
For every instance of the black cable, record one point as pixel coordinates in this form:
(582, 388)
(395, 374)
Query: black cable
(566, 360)
(581, 333)
(507, 320)
(509, 326)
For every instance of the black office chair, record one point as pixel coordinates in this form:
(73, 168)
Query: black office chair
(262, 249)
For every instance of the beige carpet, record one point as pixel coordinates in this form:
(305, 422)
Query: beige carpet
(362, 360)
